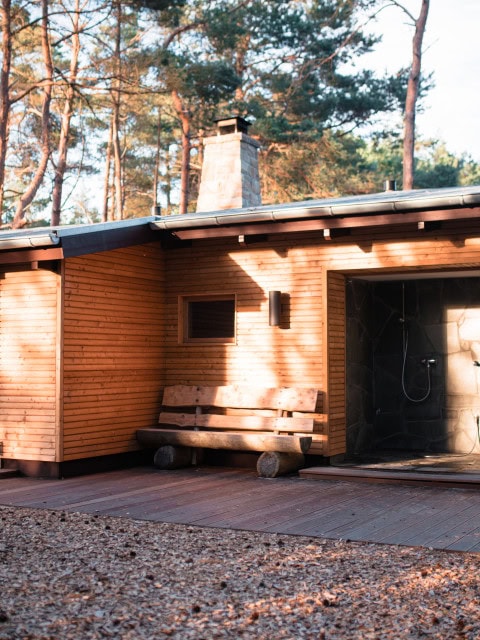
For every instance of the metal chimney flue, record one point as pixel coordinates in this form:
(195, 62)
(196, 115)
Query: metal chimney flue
(390, 185)
(235, 124)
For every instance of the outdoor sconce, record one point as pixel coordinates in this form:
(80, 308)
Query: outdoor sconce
(274, 308)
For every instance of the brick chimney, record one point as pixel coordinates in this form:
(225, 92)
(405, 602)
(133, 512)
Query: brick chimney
(230, 178)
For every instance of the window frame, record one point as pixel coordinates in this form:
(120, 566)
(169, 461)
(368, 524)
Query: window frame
(184, 318)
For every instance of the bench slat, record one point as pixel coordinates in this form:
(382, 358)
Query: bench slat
(241, 397)
(156, 437)
(252, 423)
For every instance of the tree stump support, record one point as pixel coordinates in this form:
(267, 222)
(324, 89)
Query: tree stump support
(276, 463)
(171, 457)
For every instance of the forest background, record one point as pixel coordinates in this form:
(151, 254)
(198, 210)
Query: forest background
(104, 104)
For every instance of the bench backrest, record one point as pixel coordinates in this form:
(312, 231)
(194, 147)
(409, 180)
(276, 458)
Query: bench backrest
(241, 397)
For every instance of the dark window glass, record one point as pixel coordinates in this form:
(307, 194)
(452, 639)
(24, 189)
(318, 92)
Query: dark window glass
(210, 319)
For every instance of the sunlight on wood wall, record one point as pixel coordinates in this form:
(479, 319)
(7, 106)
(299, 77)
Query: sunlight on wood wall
(28, 364)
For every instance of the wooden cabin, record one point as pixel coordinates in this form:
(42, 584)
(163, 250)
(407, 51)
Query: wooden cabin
(82, 359)
(379, 306)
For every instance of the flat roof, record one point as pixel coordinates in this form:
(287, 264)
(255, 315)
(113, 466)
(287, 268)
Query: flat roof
(369, 204)
(80, 239)
(377, 209)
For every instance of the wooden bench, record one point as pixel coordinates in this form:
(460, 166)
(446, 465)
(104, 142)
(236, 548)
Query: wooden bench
(276, 421)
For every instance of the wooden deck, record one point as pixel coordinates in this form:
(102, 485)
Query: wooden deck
(360, 474)
(430, 516)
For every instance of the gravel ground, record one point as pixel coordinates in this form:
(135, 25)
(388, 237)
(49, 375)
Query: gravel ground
(68, 575)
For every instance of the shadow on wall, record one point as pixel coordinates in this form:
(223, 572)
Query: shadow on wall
(411, 380)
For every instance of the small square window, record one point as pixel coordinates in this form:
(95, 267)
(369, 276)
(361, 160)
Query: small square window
(208, 319)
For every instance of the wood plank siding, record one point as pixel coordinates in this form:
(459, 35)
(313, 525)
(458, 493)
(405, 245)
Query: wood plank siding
(288, 355)
(335, 347)
(272, 356)
(308, 348)
(29, 305)
(113, 356)
(88, 343)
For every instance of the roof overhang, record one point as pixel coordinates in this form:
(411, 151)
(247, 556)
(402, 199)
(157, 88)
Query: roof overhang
(64, 242)
(422, 207)
(28, 241)
(331, 217)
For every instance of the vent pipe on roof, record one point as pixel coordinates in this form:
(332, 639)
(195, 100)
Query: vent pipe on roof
(390, 185)
(230, 178)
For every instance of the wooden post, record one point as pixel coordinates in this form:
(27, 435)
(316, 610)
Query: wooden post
(170, 457)
(275, 463)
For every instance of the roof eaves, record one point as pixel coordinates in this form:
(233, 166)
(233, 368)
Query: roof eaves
(366, 205)
(79, 239)
(28, 241)
(96, 227)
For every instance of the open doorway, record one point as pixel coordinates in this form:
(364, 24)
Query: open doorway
(412, 374)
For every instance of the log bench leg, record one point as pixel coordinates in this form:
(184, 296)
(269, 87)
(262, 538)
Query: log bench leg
(170, 457)
(275, 463)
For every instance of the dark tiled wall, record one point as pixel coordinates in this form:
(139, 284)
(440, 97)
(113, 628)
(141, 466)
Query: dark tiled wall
(435, 319)
(359, 370)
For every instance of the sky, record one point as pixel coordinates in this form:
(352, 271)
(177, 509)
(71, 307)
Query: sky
(452, 53)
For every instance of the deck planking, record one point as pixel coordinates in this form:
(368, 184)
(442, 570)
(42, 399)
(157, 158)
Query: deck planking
(434, 517)
(294, 513)
(412, 523)
(337, 509)
(175, 504)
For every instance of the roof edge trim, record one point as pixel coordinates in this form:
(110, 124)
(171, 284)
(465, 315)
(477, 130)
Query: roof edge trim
(27, 242)
(369, 205)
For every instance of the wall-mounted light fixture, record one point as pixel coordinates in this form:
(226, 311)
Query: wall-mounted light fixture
(274, 308)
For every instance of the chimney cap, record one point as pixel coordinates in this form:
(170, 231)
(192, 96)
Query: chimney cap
(232, 124)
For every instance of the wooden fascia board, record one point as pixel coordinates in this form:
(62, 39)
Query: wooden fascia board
(106, 240)
(25, 256)
(82, 244)
(320, 224)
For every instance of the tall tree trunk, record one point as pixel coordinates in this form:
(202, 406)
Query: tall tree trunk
(241, 51)
(116, 146)
(184, 117)
(157, 162)
(168, 181)
(5, 16)
(66, 120)
(106, 182)
(117, 163)
(27, 198)
(411, 98)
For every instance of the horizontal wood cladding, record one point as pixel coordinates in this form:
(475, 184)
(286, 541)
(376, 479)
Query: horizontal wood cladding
(336, 328)
(395, 248)
(308, 348)
(113, 351)
(280, 356)
(28, 363)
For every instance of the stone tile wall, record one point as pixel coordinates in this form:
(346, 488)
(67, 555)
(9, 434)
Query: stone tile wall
(437, 319)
